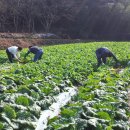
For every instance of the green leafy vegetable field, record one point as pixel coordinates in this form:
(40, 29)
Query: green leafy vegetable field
(100, 104)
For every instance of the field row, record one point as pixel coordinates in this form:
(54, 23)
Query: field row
(101, 102)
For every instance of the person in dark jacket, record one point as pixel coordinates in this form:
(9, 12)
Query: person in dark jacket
(38, 52)
(102, 54)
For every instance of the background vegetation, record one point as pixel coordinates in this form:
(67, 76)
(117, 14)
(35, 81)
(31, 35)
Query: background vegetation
(98, 19)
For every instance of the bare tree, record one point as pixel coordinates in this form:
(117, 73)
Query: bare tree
(3, 17)
(14, 12)
(47, 13)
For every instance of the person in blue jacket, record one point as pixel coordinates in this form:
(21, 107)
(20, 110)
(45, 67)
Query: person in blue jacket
(38, 52)
(102, 54)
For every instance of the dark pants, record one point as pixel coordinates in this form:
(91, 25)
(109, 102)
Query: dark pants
(101, 59)
(38, 55)
(10, 56)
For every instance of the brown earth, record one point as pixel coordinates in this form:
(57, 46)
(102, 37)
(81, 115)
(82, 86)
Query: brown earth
(6, 42)
(24, 40)
(21, 39)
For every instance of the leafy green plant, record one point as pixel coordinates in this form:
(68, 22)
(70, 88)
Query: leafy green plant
(104, 115)
(68, 112)
(10, 112)
(24, 89)
(1, 126)
(101, 101)
(22, 100)
(23, 115)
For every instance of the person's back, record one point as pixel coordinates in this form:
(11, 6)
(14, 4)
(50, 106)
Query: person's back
(13, 49)
(12, 52)
(102, 54)
(38, 52)
(34, 49)
(103, 51)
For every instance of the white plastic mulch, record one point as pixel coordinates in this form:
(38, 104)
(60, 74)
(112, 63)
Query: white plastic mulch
(54, 110)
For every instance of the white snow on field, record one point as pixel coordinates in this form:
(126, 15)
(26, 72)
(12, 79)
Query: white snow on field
(54, 110)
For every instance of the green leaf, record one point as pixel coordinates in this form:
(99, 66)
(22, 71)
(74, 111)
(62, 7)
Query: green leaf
(104, 115)
(10, 112)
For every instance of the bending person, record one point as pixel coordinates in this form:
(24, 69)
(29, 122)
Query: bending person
(38, 52)
(102, 54)
(12, 53)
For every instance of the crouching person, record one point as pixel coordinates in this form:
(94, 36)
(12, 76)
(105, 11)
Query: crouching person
(13, 53)
(38, 52)
(102, 54)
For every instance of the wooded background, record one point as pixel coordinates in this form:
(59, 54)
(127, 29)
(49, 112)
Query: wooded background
(83, 19)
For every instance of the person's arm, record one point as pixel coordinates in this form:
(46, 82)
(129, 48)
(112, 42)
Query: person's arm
(26, 54)
(15, 53)
(17, 58)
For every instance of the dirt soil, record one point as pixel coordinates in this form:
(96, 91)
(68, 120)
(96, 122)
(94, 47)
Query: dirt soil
(25, 39)
(21, 39)
(23, 42)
